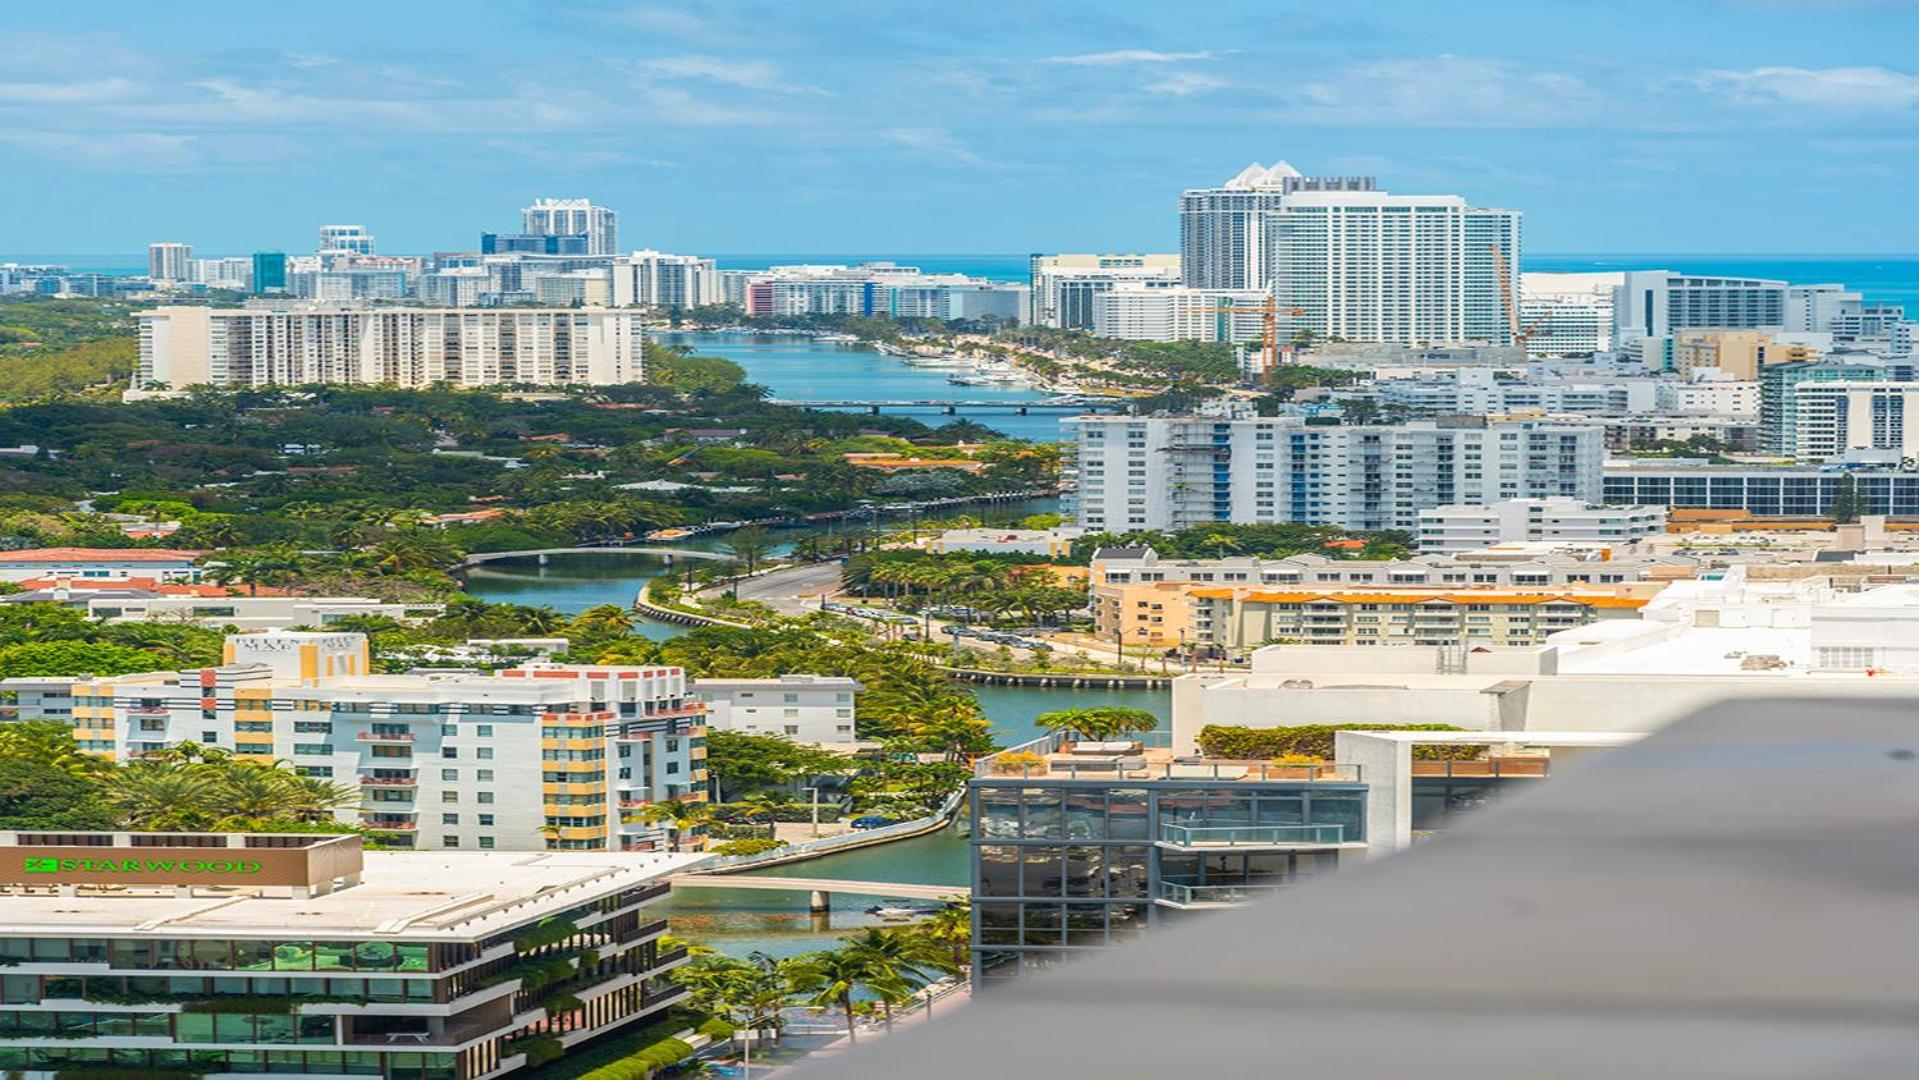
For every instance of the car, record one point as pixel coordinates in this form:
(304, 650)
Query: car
(872, 821)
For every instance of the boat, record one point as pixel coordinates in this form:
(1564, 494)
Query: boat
(895, 913)
(669, 534)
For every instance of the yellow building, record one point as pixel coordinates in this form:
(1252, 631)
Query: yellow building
(1739, 353)
(1151, 614)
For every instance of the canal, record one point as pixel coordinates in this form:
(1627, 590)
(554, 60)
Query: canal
(739, 921)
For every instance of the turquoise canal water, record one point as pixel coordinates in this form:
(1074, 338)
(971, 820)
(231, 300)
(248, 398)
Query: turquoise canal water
(806, 369)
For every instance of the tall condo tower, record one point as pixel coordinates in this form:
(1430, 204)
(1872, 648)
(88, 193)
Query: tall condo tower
(574, 217)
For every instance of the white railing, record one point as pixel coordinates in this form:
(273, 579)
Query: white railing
(826, 844)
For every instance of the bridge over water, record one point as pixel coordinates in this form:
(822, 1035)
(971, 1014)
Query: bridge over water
(669, 553)
(819, 890)
(951, 407)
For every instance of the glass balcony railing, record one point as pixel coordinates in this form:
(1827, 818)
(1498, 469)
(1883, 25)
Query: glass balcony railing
(1250, 835)
(1173, 892)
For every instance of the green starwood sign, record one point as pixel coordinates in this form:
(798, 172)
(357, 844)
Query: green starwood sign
(109, 867)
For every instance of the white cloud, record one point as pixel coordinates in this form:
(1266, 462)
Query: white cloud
(142, 152)
(1445, 91)
(935, 141)
(1184, 83)
(1833, 88)
(744, 74)
(1127, 56)
(65, 93)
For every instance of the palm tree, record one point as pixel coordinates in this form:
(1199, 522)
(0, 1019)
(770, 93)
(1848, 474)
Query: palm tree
(832, 978)
(159, 797)
(950, 928)
(680, 817)
(252, 793)
(603, 620)
(899, 961)
(315, 799)
(1098, 724)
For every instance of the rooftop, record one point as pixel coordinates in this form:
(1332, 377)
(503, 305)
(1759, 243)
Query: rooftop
(438, 895)
(83, 555)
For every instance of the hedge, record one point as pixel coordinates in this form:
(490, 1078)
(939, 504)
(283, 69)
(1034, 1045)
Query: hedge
(667, 1052)
(716, 1029)
(1314, 741)
(748, 847)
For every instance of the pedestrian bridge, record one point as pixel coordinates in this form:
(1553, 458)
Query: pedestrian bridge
(670, 553)
(819, 889)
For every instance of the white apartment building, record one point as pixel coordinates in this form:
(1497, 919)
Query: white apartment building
(1738, 398)
(1412, 269)
(814, 709)
(233, 272)
(168, 262)
(268, 345)
(345, 239)
(1568, 314)
(1173, 472)
(1834, 419)
(1222, 230)
(1482, 391)
(1656, 303)
(1154, 311)
(543, 757)
(571, 288)
(1471, 528)
(1064, 286)
(458, 286)
(245, 612)
(574, 217)
(676, 282)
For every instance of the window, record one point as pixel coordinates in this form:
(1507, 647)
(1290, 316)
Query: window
(484, 797)
(486, 819)
(449, 841)
(486, 842)
(449, 751)
(483, 775)
(449, 796)
(485, 731)
(449, 819)
(313, 748)
(484, 753)
(448, 729)
(449, 774)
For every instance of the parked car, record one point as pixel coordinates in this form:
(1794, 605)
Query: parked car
(872, 821)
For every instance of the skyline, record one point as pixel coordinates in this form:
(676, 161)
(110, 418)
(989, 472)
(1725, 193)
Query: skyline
(1019, 130)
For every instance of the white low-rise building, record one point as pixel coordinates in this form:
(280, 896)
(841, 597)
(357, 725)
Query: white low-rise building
(815, 709)
(252, 612)
(1469, 528)
(1697, 644)
(1052, 543)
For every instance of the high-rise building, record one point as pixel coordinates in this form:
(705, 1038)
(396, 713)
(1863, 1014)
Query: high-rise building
(345, 239)
(1568, 314)
(1412, 269)
(1174, 472)
(269, 272)
(1222, 230)
(574, 217)
(168, 262)
(1344, 259)
(1160, 311)
(1063, 286)
(655, 279)
(321, 343)
(1656, 303)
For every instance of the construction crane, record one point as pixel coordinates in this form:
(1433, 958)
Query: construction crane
(1521, 335)
(1268, 328)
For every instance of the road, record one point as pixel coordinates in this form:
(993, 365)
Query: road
(783, 590)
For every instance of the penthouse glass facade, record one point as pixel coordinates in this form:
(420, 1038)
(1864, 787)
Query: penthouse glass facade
(1073, 859)
(1764, 492)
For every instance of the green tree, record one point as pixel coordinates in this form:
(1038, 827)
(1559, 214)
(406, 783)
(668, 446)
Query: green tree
(1100, 723)
(1846, 503)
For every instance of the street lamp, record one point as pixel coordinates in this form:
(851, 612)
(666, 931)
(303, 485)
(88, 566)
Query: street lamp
(816, 808)
(1185, 658)
(1119, 643)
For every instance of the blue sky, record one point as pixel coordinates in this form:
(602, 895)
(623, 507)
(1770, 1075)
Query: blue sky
(988, 126)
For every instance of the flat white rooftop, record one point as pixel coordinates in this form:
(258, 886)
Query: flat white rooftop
(414, 896)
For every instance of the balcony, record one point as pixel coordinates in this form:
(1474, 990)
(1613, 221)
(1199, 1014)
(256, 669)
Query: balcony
(1242, 836)
(385, 824)
(677, 713)
(389, 781)
(421, 1033)
(385, 736)
(1498, 767)
(1175, 894)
